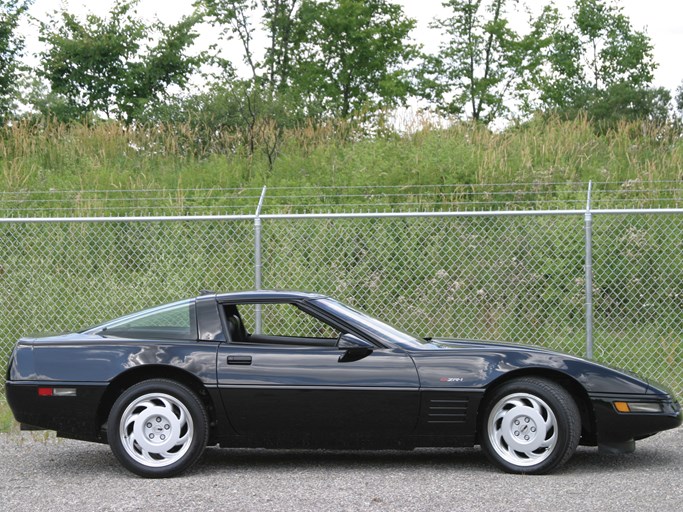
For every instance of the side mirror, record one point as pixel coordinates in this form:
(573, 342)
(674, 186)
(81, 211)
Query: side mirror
(355, 347)
(348, 341)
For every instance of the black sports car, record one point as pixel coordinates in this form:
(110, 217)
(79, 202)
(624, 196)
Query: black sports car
(289, 369)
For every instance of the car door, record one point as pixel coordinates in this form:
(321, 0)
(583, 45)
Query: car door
(295, 380)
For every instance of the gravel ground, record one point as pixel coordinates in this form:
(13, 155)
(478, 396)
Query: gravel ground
(42, 473)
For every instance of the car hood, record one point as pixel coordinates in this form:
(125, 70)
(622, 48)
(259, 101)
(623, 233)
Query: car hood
(455, 343)
(459, 343)
(444, 362)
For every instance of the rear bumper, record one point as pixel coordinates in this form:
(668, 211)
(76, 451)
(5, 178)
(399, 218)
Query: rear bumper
(71, 416)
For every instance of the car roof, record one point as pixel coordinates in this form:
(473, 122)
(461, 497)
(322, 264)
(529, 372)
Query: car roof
(267, 295)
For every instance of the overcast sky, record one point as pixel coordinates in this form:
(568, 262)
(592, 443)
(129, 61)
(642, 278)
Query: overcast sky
(661, 19)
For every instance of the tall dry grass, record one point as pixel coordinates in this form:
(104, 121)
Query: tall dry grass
(548, 153)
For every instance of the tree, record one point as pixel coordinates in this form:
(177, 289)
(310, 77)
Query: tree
(11, 47)
(482, 64)
(622, 101)
(238, 108)
(111, 65)
(598, 63)
(279, 19)
(679, 101)
(353, 55)
(337, 56)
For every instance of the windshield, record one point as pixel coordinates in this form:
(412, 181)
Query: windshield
(374, 327)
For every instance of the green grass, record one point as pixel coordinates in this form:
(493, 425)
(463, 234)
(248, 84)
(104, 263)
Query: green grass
(7, 423)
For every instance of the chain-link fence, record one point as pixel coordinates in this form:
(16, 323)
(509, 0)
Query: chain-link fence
(516, 276)
(638, 293)
(64, 276)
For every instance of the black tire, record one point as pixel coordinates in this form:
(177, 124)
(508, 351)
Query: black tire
(529, 425)
(158, 428)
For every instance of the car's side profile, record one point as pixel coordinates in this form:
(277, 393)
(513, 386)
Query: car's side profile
(291, 369)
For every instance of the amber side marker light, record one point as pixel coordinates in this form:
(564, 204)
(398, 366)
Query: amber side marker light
(637, 407)
(622, 407)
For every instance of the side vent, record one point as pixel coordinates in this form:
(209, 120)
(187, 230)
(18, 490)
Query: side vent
(447, 411)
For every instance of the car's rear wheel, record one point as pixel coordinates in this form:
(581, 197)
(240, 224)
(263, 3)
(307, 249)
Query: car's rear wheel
(157, 428)
(530, 425)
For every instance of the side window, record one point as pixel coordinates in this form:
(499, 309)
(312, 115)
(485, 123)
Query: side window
(286, 321)
(176, 322)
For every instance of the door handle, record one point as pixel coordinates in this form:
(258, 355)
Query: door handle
(243, 360)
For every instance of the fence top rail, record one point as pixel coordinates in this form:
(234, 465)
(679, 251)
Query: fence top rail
(102, 219)
(480, 213)
(346, 215)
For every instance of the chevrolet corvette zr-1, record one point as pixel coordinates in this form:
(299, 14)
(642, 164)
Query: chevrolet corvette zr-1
(280, 369)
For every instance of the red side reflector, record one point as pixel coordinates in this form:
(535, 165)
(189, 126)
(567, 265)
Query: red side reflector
(44, 391)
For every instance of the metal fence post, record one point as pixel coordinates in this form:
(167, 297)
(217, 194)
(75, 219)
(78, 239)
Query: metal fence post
(588, 217)
(257, 258)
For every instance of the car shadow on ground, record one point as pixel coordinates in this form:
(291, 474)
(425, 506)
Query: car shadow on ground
(473, 460)
(588, 460)
(83, 457)
(267, 460)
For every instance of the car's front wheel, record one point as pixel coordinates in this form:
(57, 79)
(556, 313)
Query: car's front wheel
(157, 428)
(530, 425)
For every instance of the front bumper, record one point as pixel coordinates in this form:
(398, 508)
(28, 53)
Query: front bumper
(615, 427)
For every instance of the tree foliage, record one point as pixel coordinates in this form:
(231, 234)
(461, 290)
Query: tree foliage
(338, 56)
(316, 60)
(262, 103)
(599, 64)
(481, 69)
(115, 65)
(322, 59)
(353, 55)
(679, 101)
(11, 47)
(279, 19)
(241, 108)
